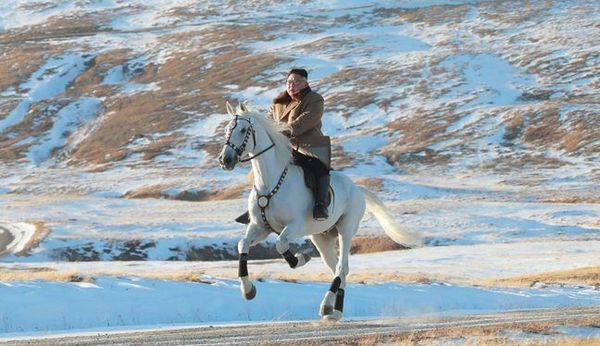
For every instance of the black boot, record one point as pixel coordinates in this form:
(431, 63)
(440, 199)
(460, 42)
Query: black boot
(320, 209)
(243, 219)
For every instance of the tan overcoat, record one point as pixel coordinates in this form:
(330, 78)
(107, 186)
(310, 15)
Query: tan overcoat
(304, 118)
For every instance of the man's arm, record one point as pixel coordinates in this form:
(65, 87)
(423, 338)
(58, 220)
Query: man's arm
(309, 119)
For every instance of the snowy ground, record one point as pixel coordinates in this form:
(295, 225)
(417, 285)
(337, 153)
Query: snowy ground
(129, 301)
(528, 239)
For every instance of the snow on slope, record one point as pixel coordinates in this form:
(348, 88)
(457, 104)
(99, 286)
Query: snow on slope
(468, 72)
(104, 227)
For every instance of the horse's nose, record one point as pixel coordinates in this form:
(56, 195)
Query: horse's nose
(226, 161)
(223, 160)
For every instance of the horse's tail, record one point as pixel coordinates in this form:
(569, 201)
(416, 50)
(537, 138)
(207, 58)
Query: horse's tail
(400, 235)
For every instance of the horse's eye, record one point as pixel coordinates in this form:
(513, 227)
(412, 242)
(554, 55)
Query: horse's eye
(243, 130)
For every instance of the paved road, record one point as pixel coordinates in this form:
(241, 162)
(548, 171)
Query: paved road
(315, 332)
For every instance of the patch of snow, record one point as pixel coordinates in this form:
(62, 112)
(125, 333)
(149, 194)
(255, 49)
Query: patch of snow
(47, 82)
(21, 232)
(115, 75)
(491, 78)
(364, 144)
(138, 87)
(66, 123)
(205, 126)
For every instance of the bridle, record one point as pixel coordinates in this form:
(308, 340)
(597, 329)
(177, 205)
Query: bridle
(261, 200)
(240, 150)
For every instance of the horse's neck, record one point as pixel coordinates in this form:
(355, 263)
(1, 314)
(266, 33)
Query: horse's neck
(266, 168)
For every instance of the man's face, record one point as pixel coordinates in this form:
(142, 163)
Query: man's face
(295, 83)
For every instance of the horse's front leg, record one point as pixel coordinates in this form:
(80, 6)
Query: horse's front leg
(254, 234)
(290, 232)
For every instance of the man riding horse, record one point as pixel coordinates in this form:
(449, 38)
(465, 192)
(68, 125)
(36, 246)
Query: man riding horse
(302, 109)
(281, 205)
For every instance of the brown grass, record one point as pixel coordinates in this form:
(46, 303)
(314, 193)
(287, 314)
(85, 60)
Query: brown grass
(55, 27)
(160, 191)
(188, 88)
(580, 276)
(544, 129)
(432, 15)
(185, 87)
(18, 62)
(48, 274)
(514, 125)
(570, 199)
(340, 158)
(42, 274)
(362, 244)
(418, 131)
(584, 131)
(584, 276)
(374, 184)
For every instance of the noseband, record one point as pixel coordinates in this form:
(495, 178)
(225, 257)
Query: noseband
(240, 150)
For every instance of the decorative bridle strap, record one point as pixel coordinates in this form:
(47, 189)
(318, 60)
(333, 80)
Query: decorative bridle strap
(240, 150)
(264, 200)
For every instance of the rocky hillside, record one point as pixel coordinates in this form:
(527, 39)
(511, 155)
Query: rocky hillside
(91, 90)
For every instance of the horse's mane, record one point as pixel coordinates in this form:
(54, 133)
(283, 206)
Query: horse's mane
(273, 128)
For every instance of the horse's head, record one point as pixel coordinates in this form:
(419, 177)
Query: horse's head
(237, 135)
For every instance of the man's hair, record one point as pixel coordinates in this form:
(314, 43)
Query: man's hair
(299, 71)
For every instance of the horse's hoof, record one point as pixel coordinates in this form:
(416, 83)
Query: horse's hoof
(250, 295)
(335, 316)
(326, 310)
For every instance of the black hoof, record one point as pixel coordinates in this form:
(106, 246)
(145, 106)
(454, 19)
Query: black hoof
(250, 295)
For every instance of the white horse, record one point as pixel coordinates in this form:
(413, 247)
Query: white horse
(280, 202)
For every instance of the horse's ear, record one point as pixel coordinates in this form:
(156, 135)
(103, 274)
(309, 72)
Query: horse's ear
(242, 107)
(230, 109)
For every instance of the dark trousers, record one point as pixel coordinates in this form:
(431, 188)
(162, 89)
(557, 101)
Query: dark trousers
(314, 165)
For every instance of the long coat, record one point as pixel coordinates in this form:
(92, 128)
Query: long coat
(304, 118)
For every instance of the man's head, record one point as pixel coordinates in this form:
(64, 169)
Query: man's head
(297, 80)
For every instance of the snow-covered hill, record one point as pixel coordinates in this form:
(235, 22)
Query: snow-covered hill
(93, 89)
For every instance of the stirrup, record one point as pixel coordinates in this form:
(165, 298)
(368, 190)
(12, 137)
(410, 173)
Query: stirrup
(243, 219)
(320, 212)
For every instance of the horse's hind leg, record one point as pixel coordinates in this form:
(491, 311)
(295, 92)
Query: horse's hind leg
(325, 243)
(254, 234)
(347, 227)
